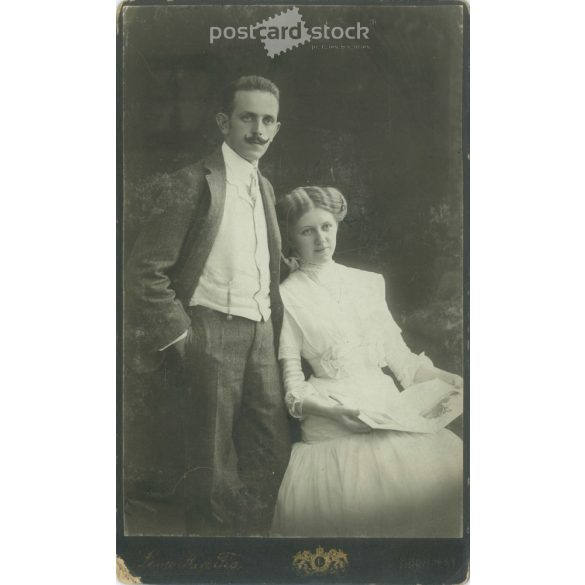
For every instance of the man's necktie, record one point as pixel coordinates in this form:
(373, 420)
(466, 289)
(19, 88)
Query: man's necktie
(254, 191)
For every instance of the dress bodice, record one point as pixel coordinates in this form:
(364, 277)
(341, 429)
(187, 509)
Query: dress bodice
(337, 319)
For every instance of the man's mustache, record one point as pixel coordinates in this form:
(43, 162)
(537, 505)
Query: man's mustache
(256, 140)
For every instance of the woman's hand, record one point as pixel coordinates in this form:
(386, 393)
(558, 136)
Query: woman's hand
(426, 373)
(344, 415)
(452, 379)
(348, 417)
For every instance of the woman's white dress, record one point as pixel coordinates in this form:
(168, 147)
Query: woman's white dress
(338, 483)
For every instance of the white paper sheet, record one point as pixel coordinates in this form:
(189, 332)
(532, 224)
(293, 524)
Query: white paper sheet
(421, 408)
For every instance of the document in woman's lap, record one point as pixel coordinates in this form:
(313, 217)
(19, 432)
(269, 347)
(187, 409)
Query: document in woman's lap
(421, 408)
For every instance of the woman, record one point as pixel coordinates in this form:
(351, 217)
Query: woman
(344, 479)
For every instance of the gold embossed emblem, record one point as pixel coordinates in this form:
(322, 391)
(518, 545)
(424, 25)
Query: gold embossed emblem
(320, 562)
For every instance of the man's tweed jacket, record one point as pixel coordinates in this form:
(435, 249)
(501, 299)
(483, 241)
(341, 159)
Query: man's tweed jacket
(170, 253)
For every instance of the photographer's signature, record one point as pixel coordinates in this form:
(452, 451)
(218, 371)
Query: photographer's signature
(197, 561)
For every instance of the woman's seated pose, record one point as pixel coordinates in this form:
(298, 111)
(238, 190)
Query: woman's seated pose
(345, 479)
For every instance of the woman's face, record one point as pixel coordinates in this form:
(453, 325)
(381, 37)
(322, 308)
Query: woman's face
(314, 236)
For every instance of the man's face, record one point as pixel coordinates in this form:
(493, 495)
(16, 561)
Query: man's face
(252, 125)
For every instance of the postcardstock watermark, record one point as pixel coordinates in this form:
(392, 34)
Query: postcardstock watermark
(286, 30)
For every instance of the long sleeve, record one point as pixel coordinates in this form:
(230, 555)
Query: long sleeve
(295, 386)
(403, 362)
(155, 311)
(180, 338)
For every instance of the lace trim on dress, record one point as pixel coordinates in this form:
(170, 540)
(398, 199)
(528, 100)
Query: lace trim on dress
(294, 404)
(325, 271)
(288, 352)
(297, 389)
(339, 361)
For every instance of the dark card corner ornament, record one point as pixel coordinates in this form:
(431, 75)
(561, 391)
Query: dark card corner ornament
(320, 562)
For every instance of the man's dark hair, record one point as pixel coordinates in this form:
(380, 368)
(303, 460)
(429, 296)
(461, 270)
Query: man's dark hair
(246, 83)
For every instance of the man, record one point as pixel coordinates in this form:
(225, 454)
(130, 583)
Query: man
(202, 290)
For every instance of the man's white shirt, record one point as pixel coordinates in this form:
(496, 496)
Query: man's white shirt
(236, 276)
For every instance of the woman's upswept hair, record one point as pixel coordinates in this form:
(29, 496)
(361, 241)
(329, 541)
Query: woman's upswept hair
(290, 207)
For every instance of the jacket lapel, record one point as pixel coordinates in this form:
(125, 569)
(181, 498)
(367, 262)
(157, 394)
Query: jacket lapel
(205, 231)
(216, 179)
(205, 227)
(274, 243)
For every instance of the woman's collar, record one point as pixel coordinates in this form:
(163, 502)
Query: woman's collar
(323, 272)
